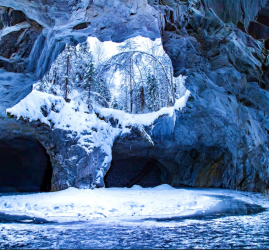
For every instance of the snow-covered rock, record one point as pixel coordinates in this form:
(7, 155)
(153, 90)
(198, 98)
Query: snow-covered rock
(80, 142)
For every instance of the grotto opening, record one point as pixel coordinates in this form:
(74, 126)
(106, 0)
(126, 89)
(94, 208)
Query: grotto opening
(129, 171)
(24, 166)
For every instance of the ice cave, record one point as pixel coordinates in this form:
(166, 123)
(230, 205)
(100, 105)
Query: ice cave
(141, 112)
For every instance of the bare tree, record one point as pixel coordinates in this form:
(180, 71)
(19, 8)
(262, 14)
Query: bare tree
(126, 59)
(99, 53)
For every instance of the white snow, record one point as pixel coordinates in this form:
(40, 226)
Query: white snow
(117, 204)
(67, 116)
(126, 119)
(82, 204)
(75, 116)
(30, 106)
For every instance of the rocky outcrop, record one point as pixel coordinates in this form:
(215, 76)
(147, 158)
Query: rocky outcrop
(221, 138)
(228, 77)
(182, 157)
(72, 165)
(31, 146)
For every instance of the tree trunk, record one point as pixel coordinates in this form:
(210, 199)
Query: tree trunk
(89, 96)
(55, 76)
(172, 85)
(67, 74)
(167, 90)
(131, 87)
(143, 100)
(41, 85)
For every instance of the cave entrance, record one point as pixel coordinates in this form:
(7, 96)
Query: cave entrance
(142, 171)
(24, 166)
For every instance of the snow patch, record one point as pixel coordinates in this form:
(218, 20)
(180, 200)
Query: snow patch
(83, 204)
(55, 112)
(126, 119)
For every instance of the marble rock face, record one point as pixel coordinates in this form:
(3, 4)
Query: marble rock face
(221, 137)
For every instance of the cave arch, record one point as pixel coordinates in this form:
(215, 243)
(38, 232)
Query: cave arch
(24, 166)
(201, 41)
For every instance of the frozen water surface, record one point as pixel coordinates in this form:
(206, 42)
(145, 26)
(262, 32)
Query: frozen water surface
(226, 219)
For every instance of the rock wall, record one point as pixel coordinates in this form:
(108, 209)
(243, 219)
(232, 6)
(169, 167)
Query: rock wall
(72, 165)
(228, 77)
(196, 158)
(221, 139)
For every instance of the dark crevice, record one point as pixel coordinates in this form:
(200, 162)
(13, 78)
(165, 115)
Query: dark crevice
(266, 44)
(170, 27)
(81, 26)
(263, 16)
(258, 31)
(263, 20)
(10, 17)
(246, 102)
(241, 26)
(24, 166)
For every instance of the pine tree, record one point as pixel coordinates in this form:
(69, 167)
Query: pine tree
(101, 87)
(84, 57)
(115, 104)
(153, 93)
(105, 92)
(141, 100)
(89, 77)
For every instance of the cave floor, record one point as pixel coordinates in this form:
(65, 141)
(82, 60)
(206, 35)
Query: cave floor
(209, 218)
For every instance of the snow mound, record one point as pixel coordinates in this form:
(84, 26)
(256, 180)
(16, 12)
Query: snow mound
(83, 204)
(55, 112)
(33, 106)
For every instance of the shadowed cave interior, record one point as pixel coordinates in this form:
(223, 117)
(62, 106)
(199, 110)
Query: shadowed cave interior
(126, 171)
(24, 166)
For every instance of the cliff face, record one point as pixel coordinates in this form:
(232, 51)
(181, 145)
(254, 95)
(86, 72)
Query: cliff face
(221, 137)
(216, 44)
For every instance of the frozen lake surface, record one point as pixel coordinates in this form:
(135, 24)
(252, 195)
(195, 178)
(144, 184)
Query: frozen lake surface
(232, 220)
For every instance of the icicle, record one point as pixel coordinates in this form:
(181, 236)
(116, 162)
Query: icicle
(145, 135)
